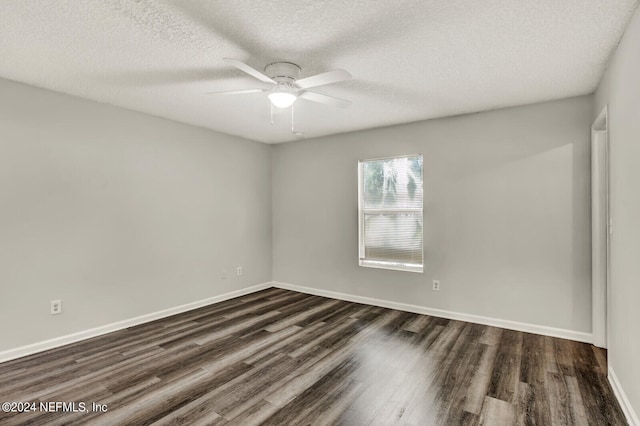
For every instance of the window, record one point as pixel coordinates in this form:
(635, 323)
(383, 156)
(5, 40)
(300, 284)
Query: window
(390, 213)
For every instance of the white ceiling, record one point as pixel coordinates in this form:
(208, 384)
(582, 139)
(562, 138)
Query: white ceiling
(410, 60)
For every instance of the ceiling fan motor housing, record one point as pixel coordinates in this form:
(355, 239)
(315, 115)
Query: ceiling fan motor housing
(283, 72)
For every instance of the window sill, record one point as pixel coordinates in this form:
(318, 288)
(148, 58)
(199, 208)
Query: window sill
(406, 267)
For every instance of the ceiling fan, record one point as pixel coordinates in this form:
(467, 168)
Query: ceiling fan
(287, 87)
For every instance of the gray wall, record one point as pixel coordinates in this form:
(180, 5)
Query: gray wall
(507, 214)
(120, 214)
(620, 89)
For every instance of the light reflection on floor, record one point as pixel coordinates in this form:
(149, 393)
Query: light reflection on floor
(398, 382)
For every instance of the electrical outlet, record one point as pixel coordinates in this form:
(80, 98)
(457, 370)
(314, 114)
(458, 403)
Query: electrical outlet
(56, 307)
(239, 271)
(436, 285)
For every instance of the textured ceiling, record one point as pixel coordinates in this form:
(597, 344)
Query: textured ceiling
(410, 60)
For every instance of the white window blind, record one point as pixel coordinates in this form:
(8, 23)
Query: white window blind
(390, 213)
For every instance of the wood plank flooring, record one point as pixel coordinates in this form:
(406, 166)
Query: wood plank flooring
(278, 357)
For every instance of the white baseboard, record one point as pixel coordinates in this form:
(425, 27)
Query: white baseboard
(495, 322)
(628, 410)
(10, 354)
(45, 345)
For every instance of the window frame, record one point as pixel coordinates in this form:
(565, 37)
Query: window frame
(379, 264)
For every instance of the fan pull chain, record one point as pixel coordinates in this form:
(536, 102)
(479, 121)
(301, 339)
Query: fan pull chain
(291, 118)
(271, 113)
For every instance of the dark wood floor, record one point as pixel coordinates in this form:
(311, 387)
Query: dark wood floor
(283, 358)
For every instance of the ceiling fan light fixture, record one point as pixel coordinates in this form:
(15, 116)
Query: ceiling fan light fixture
(282, 96)
(287, 87)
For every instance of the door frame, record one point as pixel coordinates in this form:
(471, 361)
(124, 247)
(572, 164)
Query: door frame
(601, 227)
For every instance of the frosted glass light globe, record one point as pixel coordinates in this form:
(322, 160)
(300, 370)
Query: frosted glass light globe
(282, 99)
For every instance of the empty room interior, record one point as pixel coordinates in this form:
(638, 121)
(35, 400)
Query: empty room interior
(299, 212)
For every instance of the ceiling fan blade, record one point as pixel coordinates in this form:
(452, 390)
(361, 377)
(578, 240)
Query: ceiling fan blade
(236, 92)
(328, 77)
(251, 71)
(324, 99)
